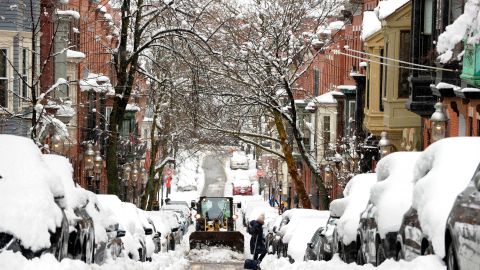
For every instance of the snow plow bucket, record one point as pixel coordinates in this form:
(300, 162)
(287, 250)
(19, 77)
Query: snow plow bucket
(231, 239)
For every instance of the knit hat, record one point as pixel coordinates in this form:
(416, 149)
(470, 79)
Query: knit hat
(261, 217)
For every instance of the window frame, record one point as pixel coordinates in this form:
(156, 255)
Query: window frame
(4, 56)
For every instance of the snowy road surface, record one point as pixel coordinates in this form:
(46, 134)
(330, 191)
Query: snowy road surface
(215, 266)
(215, 177)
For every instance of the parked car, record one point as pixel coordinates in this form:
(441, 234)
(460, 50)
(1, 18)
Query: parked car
(271, 238)
(239, 160)
(164, 229)
(463, 227)
(32, 201)
(356, 195)
(81, 239)
(108, 234)
(298, 225)
(184, 210)
(242, 187)
(322, 246)
(390, 199)
(442, 172)
(180, 215)
(134, 240)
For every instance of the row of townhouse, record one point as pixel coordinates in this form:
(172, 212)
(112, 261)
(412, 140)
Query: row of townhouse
(374, 84)
(56, 41)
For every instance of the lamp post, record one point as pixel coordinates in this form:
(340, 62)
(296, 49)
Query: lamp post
(386, 147)
(98, 164)
(439, 123)
(126, 181)
(89, 165)
(57, 144)
(134, 178)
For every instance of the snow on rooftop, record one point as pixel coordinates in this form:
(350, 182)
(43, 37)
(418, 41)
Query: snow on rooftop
(392, 194)
(347, 87)
(370, 24)
(71, 13)
(96, 82)
(27, 206)
(386, 7)
(357, 193)
(443, 170)
(326, 98)
(466, 26)
(132, 107)
(336, 25)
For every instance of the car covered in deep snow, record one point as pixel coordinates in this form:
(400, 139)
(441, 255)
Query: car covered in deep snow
(32, 201)
(390, 199)
(356, 195)
(441, 173)
(239, 160)
(462, 239)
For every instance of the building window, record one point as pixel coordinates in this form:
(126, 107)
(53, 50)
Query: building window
(3, 78)
(315, 81)
(24, 73)
(427, 17)
(326, 129)
(403, 89)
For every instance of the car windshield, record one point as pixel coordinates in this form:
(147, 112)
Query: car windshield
(213, 208)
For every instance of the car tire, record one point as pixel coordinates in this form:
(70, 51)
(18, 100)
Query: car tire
(399, 255)
(360, 258)
(450, 258)
(380, 254)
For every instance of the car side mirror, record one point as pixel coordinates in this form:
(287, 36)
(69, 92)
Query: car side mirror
(148, 231)
(310, 245)
(120, 233)
(157, 235)
(175, 229)
(193, 204)
(275, 229)
(477, 180)
(239, 205)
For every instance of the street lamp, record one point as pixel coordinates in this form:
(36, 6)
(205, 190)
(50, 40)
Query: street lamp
(98, 162)
(89, 154)
(57, 144)
(439, 123)
(386, 147)
(134, 178)
(126, 180)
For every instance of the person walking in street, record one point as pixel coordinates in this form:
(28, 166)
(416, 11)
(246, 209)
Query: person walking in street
(257, 241)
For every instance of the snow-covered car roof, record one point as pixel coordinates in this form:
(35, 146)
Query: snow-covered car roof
(178, 207)
(170, 217)
(392, 194)
(254, 212)
(320, 219)
(443, 170)
(239, 157)
(302, 234)
(75, 196)
(27, 189)
(162, 223)
(356, 198)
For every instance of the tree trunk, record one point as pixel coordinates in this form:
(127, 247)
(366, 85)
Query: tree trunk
(292, 168)
(111, 159)
(147, 198)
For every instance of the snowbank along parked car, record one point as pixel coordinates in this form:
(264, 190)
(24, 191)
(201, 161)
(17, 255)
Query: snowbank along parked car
(462, 239)
(163, 227)
(239, 160)
(27, 186)
(390, 199)
(81, 239)
(183, 216)
(442, 171)
(356, 195)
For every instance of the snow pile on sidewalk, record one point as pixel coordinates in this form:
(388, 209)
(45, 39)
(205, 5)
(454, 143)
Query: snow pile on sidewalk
(430, 262)
(165, 261)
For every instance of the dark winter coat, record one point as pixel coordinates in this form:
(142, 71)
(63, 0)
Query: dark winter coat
(256, 230)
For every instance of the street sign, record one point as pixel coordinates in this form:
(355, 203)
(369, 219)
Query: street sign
(260, 173)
